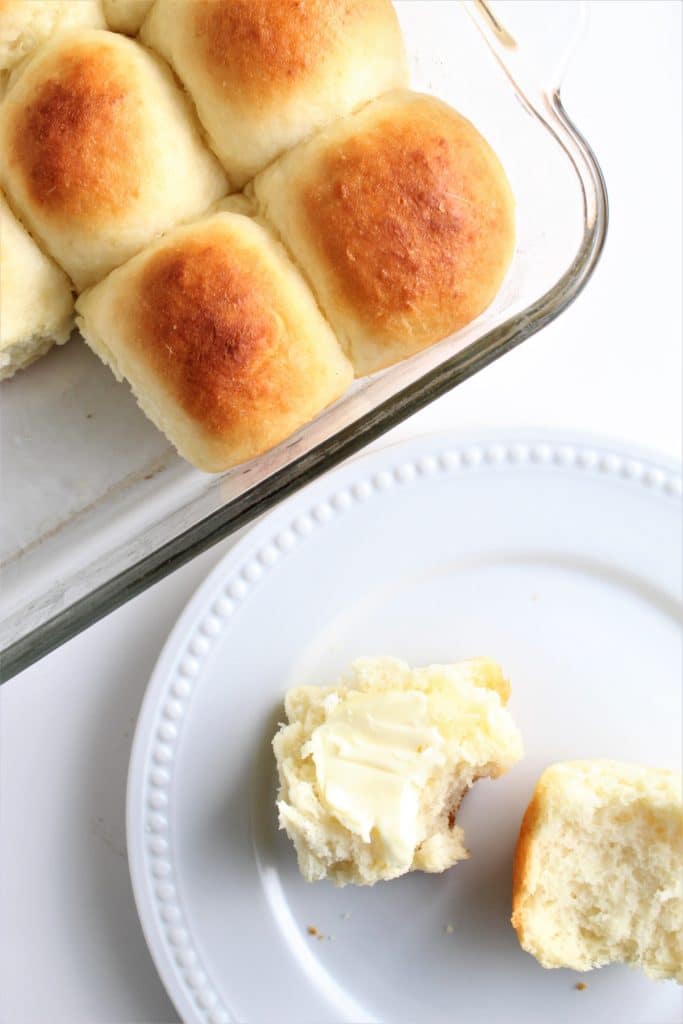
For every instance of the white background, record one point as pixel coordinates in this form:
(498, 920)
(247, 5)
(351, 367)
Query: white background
(72, 949)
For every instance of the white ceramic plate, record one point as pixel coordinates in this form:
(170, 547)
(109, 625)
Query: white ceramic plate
(561, 560)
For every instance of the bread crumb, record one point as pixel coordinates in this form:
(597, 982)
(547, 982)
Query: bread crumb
(449, 929)
(580, 986)
(346, 915)
(312, 930)
(320, 937)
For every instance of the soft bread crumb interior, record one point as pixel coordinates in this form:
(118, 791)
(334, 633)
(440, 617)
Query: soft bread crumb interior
(467, 705)
(600, 869)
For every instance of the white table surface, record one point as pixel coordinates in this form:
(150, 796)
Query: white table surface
(72, 949)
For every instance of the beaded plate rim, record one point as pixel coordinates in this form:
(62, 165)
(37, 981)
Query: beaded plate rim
(245, 567)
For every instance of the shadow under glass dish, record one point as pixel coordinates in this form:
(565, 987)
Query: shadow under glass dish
(97, 506)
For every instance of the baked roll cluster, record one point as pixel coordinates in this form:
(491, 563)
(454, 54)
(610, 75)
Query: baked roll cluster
(375, 221)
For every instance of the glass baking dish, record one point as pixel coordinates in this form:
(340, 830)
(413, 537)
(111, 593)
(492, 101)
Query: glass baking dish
(96, 504)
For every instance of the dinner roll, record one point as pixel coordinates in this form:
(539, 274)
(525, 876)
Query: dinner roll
(219, 338)
(265, 74)
(101, 151)
(126, 15)
(36, 304)
(402, 219)
(26, 23)
(598, 873)
(373, 770)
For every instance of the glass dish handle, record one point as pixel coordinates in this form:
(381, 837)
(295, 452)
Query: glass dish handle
(537, 83)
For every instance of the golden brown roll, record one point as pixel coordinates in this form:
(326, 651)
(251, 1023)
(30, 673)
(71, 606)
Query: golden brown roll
(265, 74)
(36, 303)
(101, 151)
(220, 339)
(402, 219)
(126, 15)
(26, 23)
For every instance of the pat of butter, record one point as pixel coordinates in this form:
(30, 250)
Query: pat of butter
(373, 755)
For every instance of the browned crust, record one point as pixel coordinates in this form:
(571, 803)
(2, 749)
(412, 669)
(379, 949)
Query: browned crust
(520, 867)
(207, 325)
(77, 142)
(415, 219)
(259, 50)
